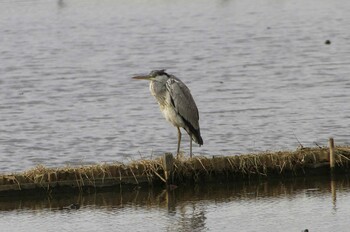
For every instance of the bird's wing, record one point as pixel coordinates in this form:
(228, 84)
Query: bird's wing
(183, 101)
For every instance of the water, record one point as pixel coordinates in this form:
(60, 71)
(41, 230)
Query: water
(290, 205)
(260, 73)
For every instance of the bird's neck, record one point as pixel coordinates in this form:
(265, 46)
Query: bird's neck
(158, 90)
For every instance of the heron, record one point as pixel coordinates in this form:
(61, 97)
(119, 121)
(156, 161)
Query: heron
(176, 104)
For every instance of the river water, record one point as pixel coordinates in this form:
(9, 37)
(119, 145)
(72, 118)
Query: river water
(293, 205)
(260, 72)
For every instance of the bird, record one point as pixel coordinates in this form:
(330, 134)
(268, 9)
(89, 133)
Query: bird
(176, 104)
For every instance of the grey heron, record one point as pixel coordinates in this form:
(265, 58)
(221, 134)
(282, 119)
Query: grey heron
(176, 104)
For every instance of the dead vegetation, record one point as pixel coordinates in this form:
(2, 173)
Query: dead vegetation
(195, 169)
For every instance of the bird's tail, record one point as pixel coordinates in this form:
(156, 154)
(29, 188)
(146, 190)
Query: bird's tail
(195, 133)
(196, 137)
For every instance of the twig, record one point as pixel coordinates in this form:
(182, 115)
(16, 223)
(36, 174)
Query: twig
(300, 145)
(284, 163)
(137, 182)
(317, 145)
(229, 161)
(202, 165)
(343, 156)
(155, 172)
(13, 178)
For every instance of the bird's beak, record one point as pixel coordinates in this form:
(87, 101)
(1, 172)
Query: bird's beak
(145, 77)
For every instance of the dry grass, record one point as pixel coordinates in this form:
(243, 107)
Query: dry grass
(86, 175)
(261, 164)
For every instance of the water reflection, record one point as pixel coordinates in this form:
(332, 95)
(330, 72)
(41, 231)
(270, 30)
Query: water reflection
(200, 208)
(183, 200)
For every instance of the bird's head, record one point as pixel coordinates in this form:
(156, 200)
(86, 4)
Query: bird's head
(155, 75)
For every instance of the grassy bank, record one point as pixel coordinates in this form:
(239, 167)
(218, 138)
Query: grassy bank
(301, 162)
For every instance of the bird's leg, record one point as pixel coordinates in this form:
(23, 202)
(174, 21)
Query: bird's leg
(190, 146)
(178, 141)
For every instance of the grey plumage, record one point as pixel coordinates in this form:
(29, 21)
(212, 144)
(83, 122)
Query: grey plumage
(176, 103)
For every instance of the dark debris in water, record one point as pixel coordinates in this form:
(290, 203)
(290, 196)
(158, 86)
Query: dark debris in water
(71, 206)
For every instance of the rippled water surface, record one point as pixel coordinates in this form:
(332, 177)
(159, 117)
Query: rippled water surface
(314, 204)
(260, 72)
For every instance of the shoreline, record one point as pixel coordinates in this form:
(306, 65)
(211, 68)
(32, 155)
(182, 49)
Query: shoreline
(169, 172)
